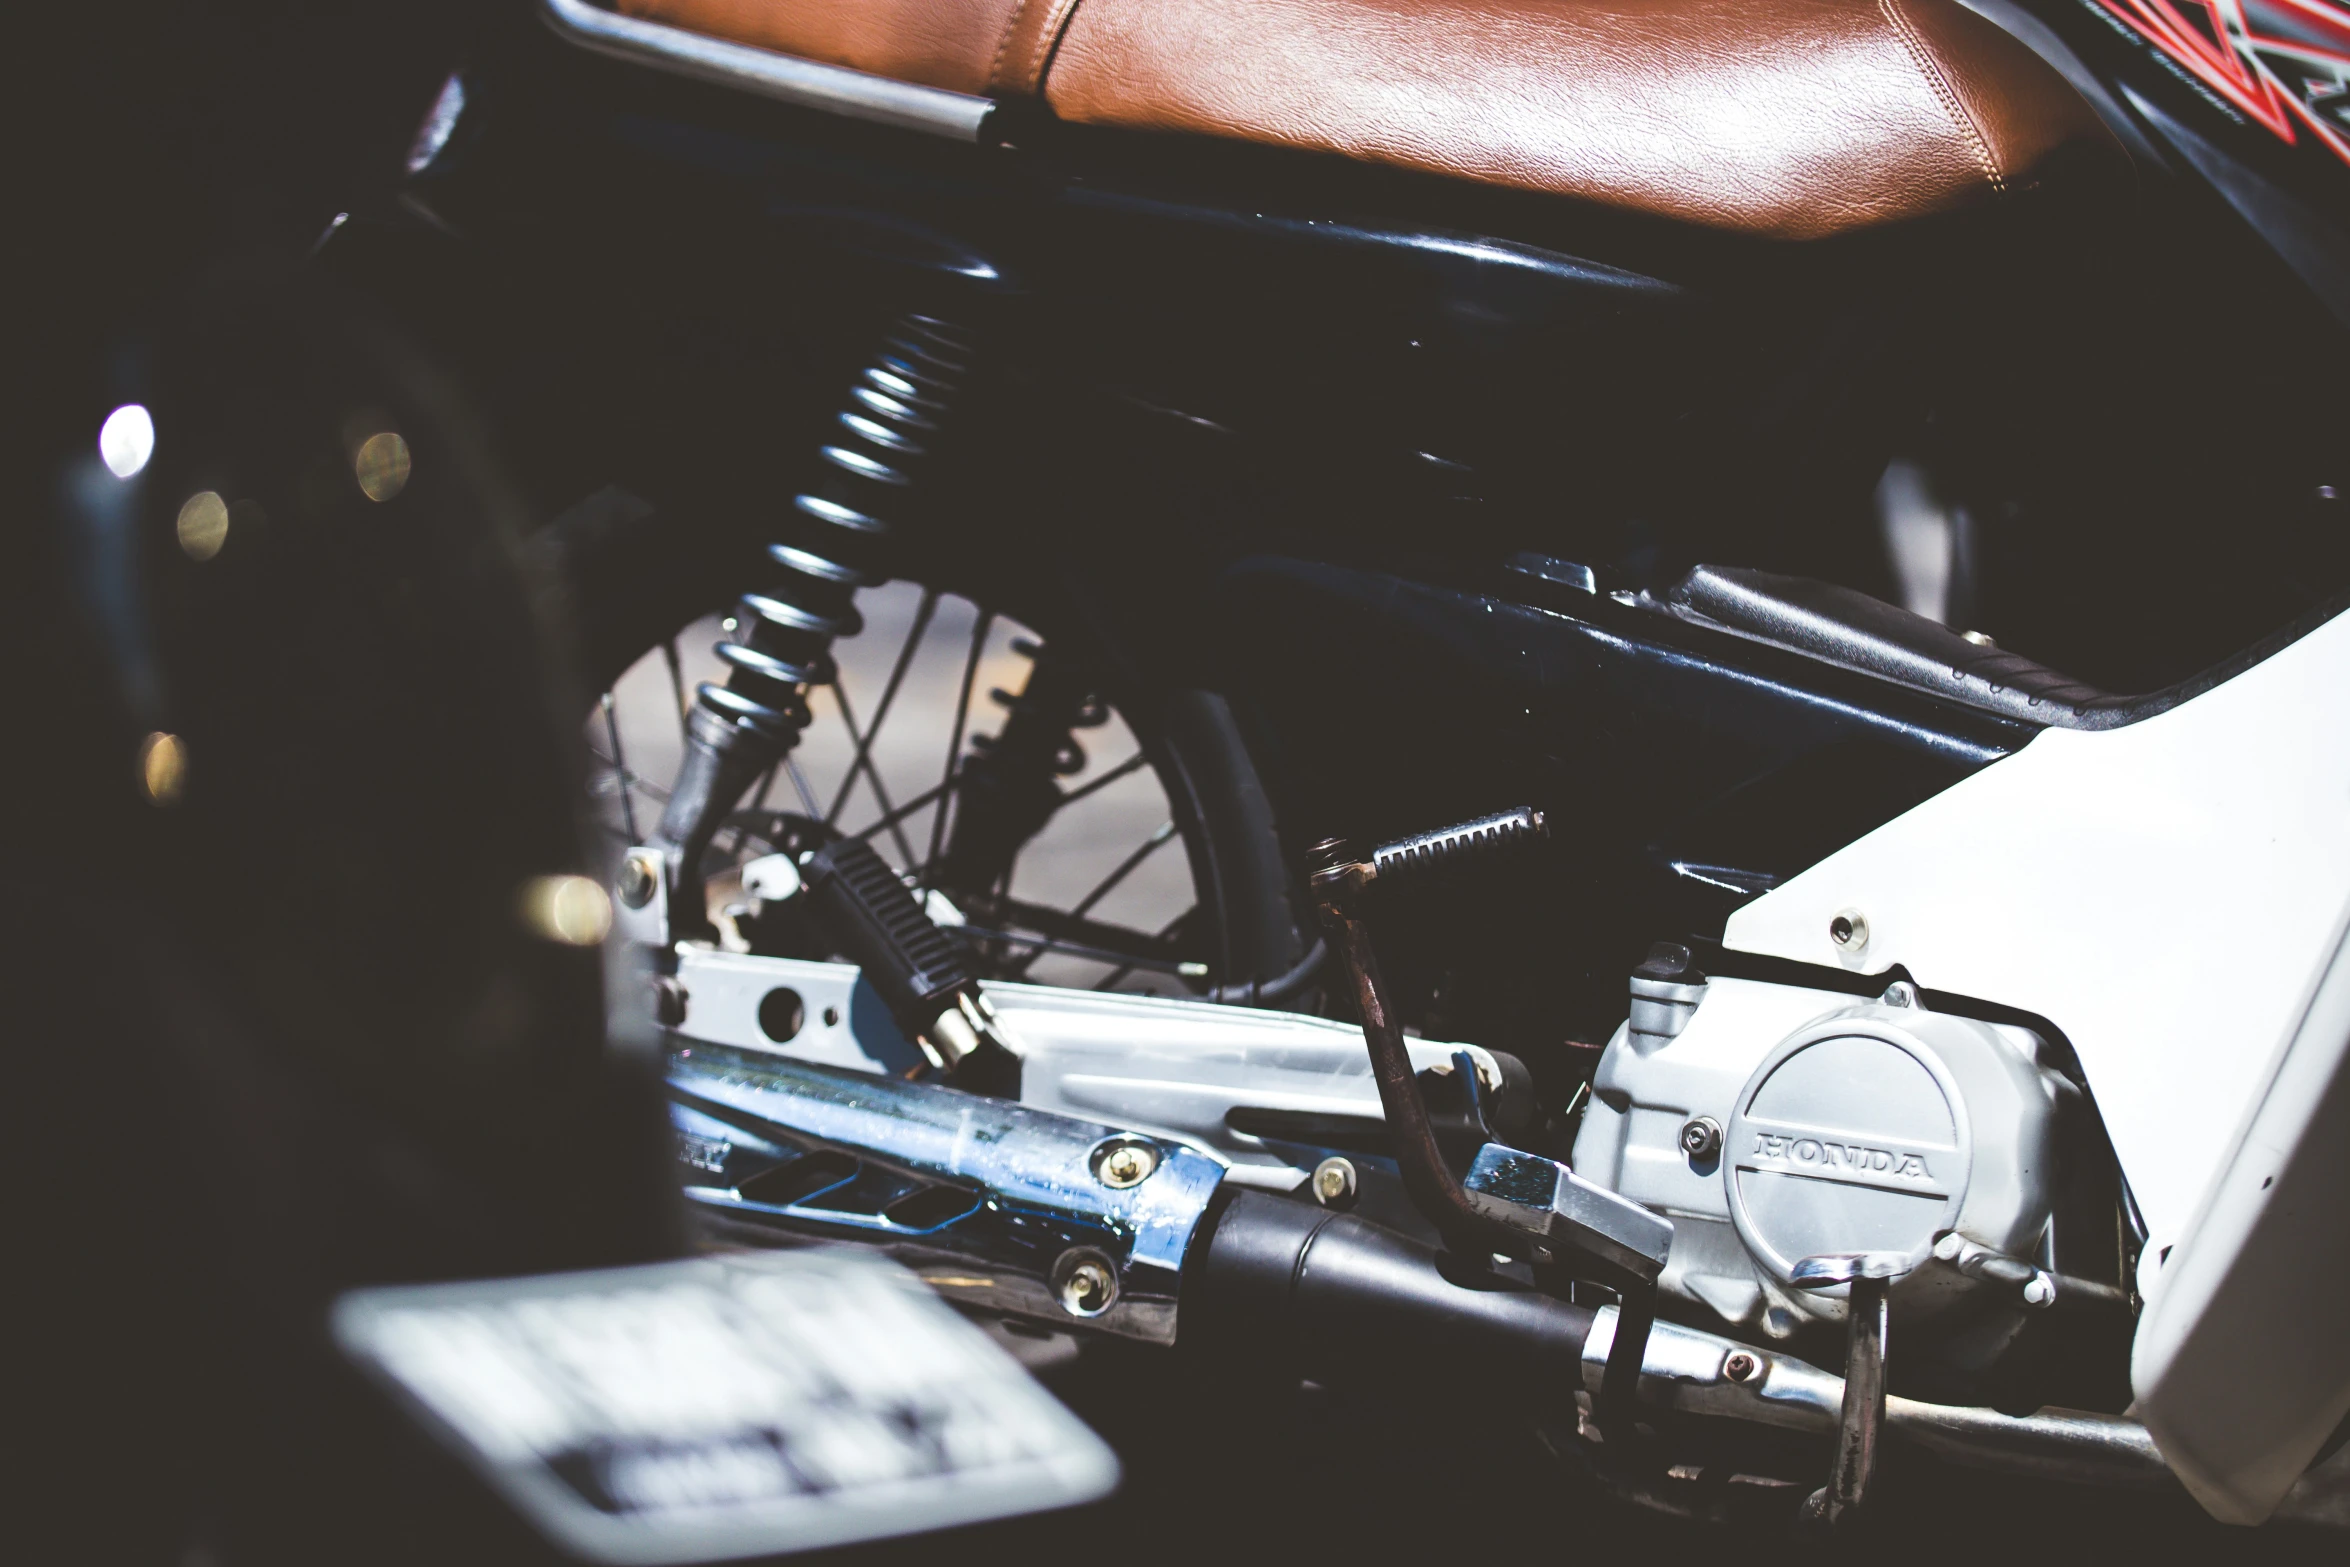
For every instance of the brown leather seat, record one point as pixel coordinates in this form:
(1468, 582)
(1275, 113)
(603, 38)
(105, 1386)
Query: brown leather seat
(1793, 119)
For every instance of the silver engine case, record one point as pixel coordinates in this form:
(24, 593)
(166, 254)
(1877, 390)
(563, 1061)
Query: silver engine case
(1816, 1125)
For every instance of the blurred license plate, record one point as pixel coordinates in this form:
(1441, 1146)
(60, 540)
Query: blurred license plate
(726, 1406)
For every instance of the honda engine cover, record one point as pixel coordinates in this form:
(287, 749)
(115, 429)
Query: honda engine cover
(1857, 1134)
(1783, 1123)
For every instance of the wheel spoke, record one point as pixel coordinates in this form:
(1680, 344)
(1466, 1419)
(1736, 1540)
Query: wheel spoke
(946, 781)
(629, 780)
(1043, 945)
(872, 777)
(1094, 785)
(863, 760)
(620, 765)
(1118, 940)
(1109, 883)
(1126, 868)
(900, 814)
(1166, 933)
(799, 783)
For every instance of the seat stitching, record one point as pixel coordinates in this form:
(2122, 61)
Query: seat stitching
(1048, 41)
(995, 68)
(1031, 70)
(1959, 118)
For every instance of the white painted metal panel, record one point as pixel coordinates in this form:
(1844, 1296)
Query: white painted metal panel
(2166, 893)
(2241, 1367)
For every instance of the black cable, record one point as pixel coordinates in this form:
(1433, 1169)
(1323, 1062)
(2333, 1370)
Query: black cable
(1282, 986)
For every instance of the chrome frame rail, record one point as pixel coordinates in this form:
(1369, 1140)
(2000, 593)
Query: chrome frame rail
(832, 89)
(1025, 1200)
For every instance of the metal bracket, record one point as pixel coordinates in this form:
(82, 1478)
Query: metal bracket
(1554, 1206)
(1182, 1069)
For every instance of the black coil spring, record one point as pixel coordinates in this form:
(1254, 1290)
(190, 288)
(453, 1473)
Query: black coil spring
(782, 642)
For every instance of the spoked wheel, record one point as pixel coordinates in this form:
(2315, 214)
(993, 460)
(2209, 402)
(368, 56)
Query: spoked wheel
(1078, 835)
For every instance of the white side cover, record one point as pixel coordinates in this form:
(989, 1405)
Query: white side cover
(2169, 894)
(2242, 1365)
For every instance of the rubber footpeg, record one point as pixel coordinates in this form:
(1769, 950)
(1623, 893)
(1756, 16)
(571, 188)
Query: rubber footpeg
(875, 922)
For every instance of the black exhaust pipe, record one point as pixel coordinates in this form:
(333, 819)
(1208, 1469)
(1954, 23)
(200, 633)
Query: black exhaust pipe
(1301, 1291)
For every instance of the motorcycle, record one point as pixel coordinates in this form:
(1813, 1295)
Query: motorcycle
(1345, 412)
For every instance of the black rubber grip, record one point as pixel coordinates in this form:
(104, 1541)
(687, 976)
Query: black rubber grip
(877, 925)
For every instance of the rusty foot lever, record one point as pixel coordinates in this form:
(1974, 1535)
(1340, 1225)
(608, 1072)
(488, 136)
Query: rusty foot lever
(1871, 1275)
(1513, 1203)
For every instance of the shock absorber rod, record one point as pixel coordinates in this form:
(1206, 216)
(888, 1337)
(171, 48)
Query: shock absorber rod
(782, 644)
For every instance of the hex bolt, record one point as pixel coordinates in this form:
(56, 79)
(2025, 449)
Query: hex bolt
(1125, 1165)
(1334, 1182)
(640, 878)
(1701, 1137)
(1741, 1366)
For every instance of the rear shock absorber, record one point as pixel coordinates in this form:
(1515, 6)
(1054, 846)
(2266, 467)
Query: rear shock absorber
(782, 644)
